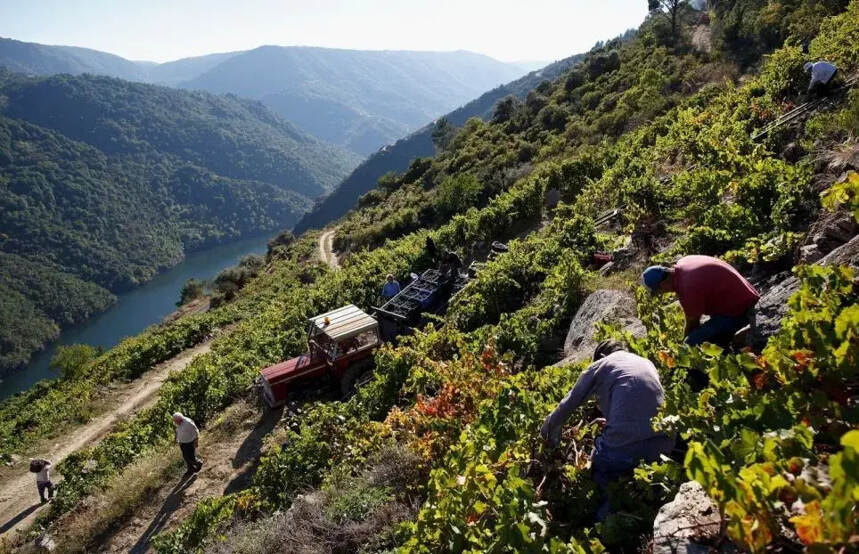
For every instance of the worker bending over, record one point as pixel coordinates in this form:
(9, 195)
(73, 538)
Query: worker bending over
(629, 393)
(822, 77)
(706, 286)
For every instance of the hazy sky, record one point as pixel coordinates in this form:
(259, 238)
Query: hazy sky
(162, 30)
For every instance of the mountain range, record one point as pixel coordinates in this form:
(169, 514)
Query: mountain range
(361, 100)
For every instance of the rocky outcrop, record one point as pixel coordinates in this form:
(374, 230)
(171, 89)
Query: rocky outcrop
(773, 303)
(602, 306)
(689, 524)
(828, 233)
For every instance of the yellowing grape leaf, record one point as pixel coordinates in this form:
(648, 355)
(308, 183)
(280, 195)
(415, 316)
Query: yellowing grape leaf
(809, 526)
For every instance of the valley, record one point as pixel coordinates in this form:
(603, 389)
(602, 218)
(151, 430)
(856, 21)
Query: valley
(562, 194)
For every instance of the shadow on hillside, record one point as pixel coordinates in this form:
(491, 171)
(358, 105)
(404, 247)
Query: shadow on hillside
(171, 504)
(18, 518)
(247, 455)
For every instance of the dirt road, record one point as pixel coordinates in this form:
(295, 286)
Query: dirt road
(19, 500)
(326, 249)
(230, 453)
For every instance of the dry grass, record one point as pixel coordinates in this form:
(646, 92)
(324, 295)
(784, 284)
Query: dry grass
(317, 523)
(844, 156)
(103, 513)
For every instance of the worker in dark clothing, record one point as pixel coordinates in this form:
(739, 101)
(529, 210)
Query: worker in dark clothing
(706, 286)
(391, 287)
(822, 78)
(629, 394)
(431, 250)
(449, 270)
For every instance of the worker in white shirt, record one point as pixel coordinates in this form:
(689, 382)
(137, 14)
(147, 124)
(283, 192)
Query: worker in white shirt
(186, 435)
(822, 77)
(42, 469)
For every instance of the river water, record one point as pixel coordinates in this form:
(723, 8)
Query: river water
(134, 310)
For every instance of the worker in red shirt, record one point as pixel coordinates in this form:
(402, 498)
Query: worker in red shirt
(706, 286)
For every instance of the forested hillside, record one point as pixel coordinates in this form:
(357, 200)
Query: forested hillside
(106, 182)
(440, 451)
(398, 156)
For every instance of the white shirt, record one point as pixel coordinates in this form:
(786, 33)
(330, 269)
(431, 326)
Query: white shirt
(822, 72)
(186, 431)
(45, 475)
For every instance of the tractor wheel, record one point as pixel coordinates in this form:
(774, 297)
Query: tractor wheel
(357, 375)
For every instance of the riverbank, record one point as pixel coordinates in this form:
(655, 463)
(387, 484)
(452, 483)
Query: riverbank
(135, 310)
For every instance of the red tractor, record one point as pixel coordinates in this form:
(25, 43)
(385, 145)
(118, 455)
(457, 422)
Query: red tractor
(340, 343)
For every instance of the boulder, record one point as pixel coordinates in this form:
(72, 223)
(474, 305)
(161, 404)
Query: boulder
(689, 524)
(846, 254)
(45, 543)
(828, 233)
(772, 306)
(773, 303)
(602, 306)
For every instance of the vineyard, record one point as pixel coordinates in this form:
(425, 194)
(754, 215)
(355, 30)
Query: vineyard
(440, 451)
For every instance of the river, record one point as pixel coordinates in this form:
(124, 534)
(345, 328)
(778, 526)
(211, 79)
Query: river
(134, 310)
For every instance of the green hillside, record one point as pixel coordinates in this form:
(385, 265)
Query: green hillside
(440, 451)
(106, 182)
(397, 156)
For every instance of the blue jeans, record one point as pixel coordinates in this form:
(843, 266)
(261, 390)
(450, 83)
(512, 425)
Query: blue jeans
(719, 329)
(610, 464)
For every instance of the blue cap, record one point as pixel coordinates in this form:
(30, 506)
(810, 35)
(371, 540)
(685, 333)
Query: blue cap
(654, 275)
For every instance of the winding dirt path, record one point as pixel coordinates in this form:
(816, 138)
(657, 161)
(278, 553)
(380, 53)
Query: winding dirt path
(326, 249)
(19, 500)
(230, 453)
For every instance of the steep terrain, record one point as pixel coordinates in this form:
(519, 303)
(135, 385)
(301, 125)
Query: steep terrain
(19, 504)
(105, 182)
(397, 157)
(440, 451)
(357, 99)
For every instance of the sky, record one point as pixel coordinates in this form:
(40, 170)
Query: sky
(164, 30)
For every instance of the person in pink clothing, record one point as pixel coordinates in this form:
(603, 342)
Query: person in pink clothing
(706, 286)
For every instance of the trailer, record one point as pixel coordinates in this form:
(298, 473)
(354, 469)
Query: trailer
(429, 293)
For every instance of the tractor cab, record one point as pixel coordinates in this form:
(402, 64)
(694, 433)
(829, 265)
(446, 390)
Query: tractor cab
(340, 345)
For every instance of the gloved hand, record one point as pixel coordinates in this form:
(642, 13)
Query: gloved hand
(550, 433)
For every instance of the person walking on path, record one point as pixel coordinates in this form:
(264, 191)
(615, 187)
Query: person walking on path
(706, 286)
(42, 469)
(186, 435)
(629, 394)
(391, 287)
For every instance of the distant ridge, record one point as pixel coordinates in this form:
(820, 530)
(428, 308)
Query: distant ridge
(359, 99)
(398, 156)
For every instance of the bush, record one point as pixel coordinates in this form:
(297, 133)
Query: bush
(457, 193)
(71, 361)
(191, 290)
